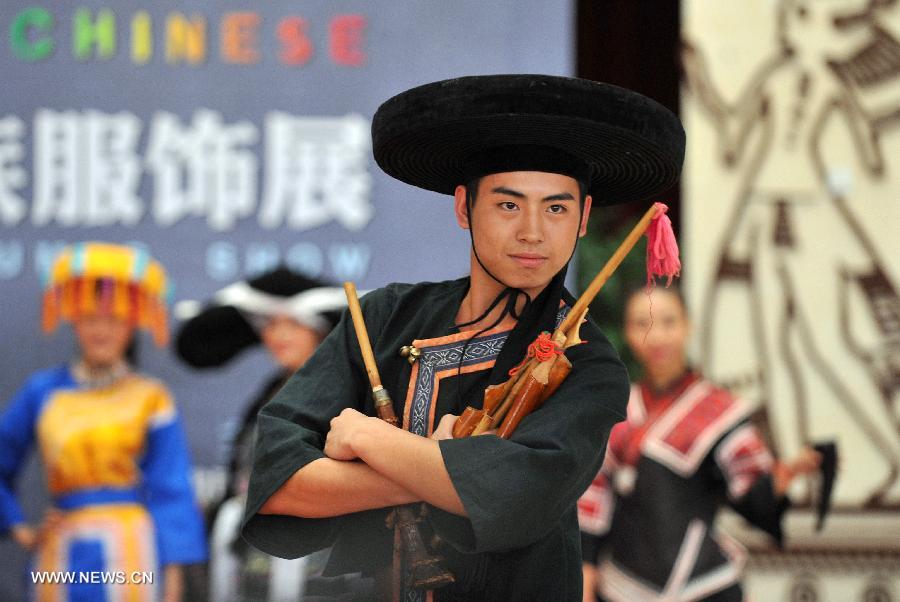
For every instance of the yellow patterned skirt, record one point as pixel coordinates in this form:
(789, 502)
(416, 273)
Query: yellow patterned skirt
(99, 552)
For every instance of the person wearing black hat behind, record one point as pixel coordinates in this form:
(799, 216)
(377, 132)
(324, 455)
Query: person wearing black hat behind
(289, 314)
(525, 157)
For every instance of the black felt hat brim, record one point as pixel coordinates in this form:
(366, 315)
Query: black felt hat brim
(635, 146)
(214, 337)
(220, 332)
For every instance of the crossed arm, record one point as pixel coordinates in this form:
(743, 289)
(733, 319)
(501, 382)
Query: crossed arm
(369, 464)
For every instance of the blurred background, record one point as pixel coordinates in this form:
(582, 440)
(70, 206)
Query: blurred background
(229, 138)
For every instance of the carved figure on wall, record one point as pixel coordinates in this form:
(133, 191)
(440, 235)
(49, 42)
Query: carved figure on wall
(794, 257)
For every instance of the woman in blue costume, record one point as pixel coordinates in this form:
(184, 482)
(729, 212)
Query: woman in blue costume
(124, 519)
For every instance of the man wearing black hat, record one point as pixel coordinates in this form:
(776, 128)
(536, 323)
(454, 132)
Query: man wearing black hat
(525, 157)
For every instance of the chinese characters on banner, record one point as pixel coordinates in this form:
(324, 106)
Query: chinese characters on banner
(88, 168)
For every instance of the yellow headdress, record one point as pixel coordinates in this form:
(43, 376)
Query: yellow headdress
(124, 281)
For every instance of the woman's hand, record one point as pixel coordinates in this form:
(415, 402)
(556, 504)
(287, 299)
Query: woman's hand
(174, 583)
(31, 538)
(806, 462)
(25, 535)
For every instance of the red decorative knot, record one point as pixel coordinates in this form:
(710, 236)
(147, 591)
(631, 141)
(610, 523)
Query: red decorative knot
(542, 349)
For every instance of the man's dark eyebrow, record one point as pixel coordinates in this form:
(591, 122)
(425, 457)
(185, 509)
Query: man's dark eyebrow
(508, 192)
(562, 196)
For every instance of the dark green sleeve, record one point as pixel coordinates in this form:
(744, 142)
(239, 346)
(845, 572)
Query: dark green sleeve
(291, 433)
(516, 491)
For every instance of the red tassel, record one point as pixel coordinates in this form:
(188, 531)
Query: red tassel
(662, 248)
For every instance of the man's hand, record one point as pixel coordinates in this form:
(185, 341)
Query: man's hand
(345, 429)
(445, 427)
(412, 464)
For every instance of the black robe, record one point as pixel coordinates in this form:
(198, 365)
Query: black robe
(521, 539)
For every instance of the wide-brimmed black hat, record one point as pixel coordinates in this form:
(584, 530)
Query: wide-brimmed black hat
(622, 145)
(230, 323)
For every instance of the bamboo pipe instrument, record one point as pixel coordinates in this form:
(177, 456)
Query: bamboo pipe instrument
(425, 569)
(383, 404)
(546, 367)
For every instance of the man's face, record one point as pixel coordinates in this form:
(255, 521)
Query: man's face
(524, 225)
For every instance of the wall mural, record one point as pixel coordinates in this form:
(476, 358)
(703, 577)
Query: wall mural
(791, 214)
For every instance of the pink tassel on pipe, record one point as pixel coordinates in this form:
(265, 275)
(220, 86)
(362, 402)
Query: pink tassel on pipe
(662, 248)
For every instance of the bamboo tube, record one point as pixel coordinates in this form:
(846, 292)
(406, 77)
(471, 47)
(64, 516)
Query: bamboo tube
(581, 305)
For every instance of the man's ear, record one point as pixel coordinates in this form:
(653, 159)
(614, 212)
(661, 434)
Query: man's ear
(461, 207)
(585, 214)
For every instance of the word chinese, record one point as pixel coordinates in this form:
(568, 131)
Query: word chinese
(34, 36)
